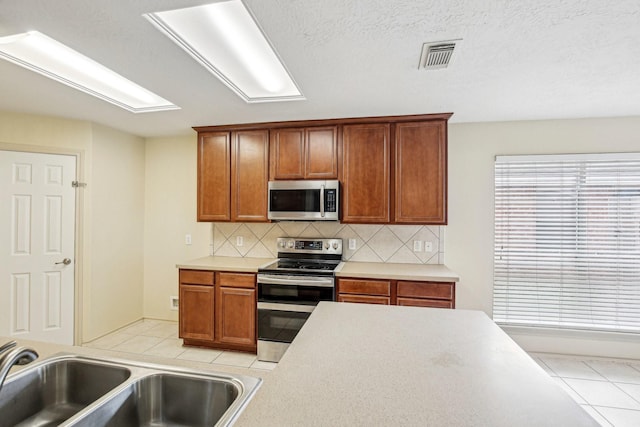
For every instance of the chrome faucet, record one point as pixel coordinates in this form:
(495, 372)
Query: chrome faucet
(17, 356)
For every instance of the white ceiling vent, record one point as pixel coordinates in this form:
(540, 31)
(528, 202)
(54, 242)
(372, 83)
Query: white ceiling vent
(437, 55)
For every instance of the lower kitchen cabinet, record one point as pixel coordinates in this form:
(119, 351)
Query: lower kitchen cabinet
(364, 291)
(236, 310)
(397, 292)
(218, 310)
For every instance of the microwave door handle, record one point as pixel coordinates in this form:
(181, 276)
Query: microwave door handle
(322, 201)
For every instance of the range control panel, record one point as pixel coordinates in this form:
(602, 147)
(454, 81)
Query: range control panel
(311, 245)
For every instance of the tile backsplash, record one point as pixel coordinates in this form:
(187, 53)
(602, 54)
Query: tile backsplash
(374, 243)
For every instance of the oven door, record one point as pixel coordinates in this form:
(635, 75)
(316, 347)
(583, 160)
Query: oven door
(298, 290)
(281, 322)
(303, 200)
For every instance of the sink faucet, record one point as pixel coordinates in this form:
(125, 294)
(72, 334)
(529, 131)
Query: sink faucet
(6, 346)
(17, 356)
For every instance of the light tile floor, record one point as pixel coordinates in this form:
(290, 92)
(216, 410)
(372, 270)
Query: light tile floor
(160, 338)
(608, 389)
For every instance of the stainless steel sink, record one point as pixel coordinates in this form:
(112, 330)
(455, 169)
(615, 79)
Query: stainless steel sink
(53, 392)
(73, 390)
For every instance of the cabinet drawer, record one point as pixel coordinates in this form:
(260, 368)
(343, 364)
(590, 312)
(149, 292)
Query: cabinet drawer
(365, 299)
(369, 287)
(434, 290)
(418, 302)
(196, 277)
(237, 280)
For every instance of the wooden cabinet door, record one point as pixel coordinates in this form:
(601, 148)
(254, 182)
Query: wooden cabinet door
(321, 153)
(214, 155)
(196, 312)
(364, 299)
(287, 153)
(420, 302)
(421, 173)
(304, 153)
(236, 316)
(249, 175)
(365, 173)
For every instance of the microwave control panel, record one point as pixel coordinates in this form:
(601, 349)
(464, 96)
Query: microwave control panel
(330, 198)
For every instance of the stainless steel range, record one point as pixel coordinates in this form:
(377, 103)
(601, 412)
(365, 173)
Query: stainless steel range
(290, 288)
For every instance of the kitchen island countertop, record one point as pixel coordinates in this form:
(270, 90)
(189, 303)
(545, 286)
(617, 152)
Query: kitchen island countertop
(371, 365)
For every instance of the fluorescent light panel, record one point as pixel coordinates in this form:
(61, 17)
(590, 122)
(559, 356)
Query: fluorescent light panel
(44, 55)
(226, 40)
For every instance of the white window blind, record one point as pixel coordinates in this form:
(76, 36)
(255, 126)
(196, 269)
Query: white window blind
(567, 241)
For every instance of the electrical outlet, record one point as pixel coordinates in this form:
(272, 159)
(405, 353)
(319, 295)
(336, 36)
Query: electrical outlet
(417, 246)
(428, 246)
(352, 244)
(187, 239)
(174, 303)
(239, 241)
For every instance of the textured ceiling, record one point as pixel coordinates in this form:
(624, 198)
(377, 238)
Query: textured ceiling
(517, 61)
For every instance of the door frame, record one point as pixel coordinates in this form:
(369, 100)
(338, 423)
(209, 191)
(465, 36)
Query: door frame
(78, 284)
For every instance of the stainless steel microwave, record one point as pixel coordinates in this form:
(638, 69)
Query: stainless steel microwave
(304, 200)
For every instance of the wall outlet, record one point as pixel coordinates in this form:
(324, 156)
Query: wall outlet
(174, 303)
(187, 239)
(239, 241)
(428, 246)
(417, 246)
(352, 244)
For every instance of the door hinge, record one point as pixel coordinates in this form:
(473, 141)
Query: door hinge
(78, 184)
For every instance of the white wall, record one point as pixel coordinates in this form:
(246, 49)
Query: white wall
(170, 214)
(469, 235)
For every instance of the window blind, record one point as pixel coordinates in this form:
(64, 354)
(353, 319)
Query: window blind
(567, 241)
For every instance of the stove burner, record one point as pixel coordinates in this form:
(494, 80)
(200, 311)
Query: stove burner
(306, 265)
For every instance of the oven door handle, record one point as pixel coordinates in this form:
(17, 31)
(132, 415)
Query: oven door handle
(326, 282)
(286, 307)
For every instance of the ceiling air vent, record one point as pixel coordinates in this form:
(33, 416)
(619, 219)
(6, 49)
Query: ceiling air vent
(436, 55)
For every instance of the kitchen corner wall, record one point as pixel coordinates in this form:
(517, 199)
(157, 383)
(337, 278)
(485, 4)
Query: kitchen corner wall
(374, 243)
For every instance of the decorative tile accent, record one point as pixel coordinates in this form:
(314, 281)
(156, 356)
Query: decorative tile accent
(374, 243)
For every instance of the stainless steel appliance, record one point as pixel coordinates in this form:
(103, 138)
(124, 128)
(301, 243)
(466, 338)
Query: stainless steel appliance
(304, 200)
(290, 288)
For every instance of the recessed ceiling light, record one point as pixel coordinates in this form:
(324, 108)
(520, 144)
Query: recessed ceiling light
(44, 55)
(225, 38)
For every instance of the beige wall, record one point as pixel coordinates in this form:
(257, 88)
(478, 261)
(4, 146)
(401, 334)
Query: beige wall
(170, 214)
(469, 235)
(110, 271)
(116, 190)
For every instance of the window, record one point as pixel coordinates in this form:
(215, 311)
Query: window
(567, 242)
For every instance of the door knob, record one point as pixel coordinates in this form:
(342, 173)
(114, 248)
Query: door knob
(65, 261)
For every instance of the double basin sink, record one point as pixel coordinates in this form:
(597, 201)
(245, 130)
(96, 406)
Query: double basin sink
(71, 390)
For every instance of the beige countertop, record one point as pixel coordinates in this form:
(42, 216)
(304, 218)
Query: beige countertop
(371, 365)
(392, 271)
(224, 263)
(371, 270)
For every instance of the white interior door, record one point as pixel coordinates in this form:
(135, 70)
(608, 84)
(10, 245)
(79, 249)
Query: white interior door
(37, 235)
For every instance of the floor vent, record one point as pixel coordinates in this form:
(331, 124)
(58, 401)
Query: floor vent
(436, 55)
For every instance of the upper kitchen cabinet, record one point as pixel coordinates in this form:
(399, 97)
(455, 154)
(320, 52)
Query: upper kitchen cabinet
(233, 172)
(395, 171)
(214, 176)
(421, 172)
(249, 175)
(365, 173)
(304, 153)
